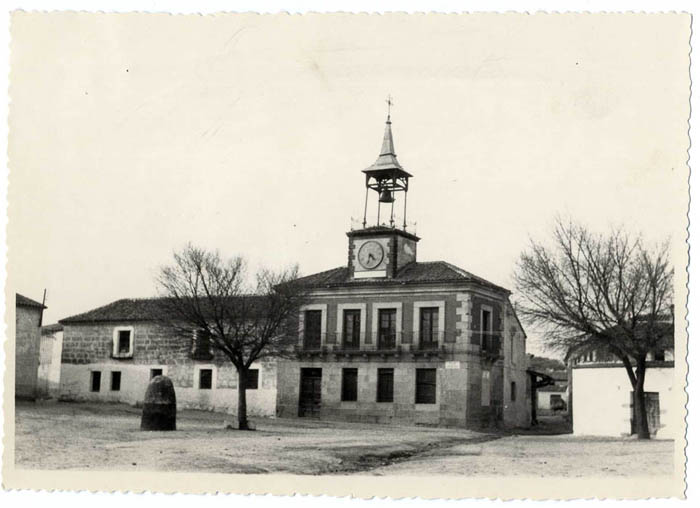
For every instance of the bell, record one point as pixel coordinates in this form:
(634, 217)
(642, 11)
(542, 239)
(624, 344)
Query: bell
(386, 197)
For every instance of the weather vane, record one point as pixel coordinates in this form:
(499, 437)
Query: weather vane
(389, 103)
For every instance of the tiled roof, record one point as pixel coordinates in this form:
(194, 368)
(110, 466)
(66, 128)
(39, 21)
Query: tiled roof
(412, 273)
(552, 388)
(23, 301)
(127, 309)
(51, 329)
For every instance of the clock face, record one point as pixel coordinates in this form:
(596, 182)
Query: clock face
(370, 255)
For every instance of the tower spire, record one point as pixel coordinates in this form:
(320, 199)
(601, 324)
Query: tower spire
(386, 176)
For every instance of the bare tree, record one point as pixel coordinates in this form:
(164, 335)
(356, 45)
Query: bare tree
(600, 292)
(207, 298)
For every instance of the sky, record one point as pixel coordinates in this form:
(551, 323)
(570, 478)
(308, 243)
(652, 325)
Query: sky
(132, 135)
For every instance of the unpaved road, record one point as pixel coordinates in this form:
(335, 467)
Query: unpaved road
(107, 437)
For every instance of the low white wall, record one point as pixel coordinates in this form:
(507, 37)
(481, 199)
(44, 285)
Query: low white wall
(544, 398)
(76, 379)
(601, 400)
(49, 372)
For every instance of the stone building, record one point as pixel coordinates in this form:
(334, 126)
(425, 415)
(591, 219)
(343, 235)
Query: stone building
(112, 352)
(28, 315)
(388, 338)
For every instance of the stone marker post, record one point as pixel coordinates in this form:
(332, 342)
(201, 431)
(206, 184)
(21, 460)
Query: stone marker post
(159, 409)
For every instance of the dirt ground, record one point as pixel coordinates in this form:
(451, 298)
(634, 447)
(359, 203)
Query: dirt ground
(107, 437)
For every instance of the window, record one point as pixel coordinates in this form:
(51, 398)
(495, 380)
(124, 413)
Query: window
(251, 380)
(95, 380)
(486, 323)
(387, 328)
(312, 329)
(429, 326)
(156, 372)
(512, 391)
(385, 385)
(201, 345)
(116, 383)
(123, 342)
(205, 377)
(425, 386)
(348, 387)
(351, 328)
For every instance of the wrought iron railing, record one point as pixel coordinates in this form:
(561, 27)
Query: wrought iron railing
(490, 343)
(375, 342)
(312, 341)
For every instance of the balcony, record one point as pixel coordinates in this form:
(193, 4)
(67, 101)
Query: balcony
(375, 344)
(490, 344)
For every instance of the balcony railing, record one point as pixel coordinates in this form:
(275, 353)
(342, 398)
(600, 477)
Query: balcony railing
(313, 341)
(379, 342)
(490, 343)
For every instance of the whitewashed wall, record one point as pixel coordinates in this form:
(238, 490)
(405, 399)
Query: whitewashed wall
(75, 385)
(601, 400)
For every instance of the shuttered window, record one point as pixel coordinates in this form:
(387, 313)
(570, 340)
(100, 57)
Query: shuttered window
(385, 385)
(205, 377)
(348, 389)
(426, 383)
(116, 381)
(429, 325)
(251, 380)
(312, 329)
(351, 328)
(95, 380)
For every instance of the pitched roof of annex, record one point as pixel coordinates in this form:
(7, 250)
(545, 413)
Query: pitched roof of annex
(133, 310)
(23, 301)
(431, 272)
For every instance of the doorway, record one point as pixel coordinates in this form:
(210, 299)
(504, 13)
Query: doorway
(310, 393)
(651, 401)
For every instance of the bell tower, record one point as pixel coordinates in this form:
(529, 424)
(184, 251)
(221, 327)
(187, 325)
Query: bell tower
(381, 250)
(386, 176)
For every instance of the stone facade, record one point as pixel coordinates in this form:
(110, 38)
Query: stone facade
(89, 348)
(464, 396)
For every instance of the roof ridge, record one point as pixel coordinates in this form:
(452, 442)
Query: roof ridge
(22, 300)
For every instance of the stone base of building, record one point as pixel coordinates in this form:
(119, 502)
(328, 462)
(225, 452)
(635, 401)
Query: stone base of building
(458, 395)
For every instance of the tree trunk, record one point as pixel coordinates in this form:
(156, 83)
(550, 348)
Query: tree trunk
(242, 406)
(641, 423)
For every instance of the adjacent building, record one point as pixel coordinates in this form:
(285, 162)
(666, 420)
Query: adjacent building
(602, 401)
(553, 398)
(111, 353)
(389, 338)
(28, 316)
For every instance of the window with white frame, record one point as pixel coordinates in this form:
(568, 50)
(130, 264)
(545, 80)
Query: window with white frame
(386, 324)
(312, 329)
(351, 323)
(428, 323)
(205, 379)
(123, 342)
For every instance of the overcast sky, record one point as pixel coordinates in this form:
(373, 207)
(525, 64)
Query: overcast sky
(133, 135)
